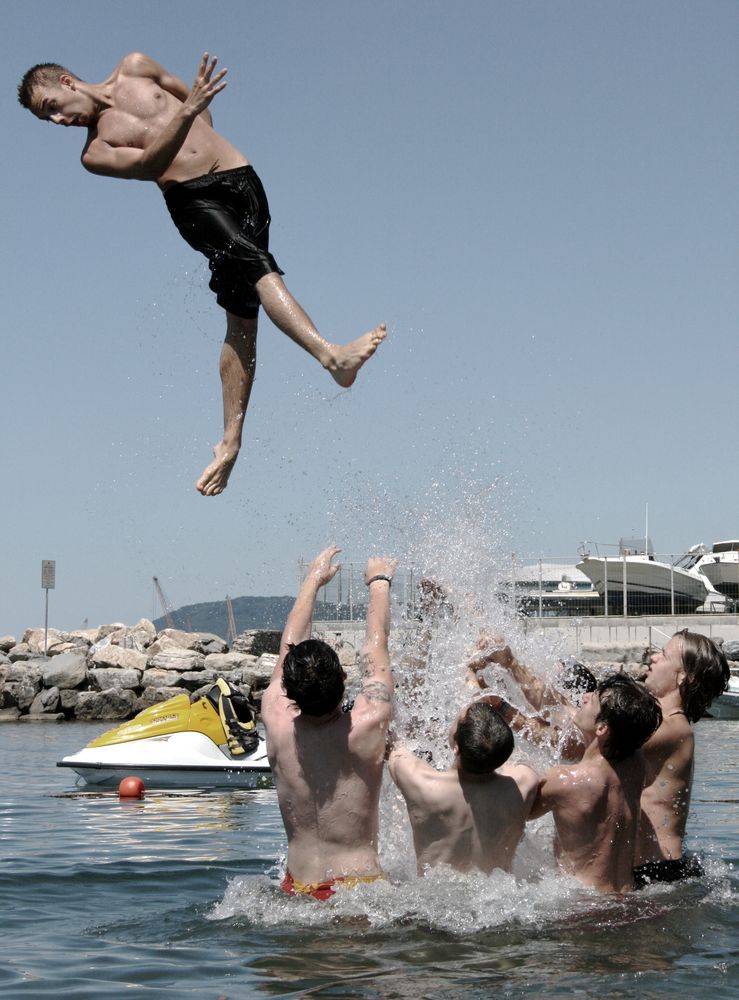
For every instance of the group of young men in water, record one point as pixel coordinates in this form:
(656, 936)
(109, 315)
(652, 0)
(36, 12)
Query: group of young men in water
(619, 803)
(619, 811)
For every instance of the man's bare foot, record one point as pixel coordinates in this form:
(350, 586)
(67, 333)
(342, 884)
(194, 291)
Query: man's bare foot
(349, 359)
(215, 478)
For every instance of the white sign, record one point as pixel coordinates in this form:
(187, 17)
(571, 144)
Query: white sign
(48, 573)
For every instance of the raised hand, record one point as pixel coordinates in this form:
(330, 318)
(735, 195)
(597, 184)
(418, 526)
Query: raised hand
(206, 86)
(380, 566)
(321, 569)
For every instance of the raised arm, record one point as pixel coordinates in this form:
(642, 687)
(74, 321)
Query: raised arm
(300, 620)
(377, 681)
(100, 157)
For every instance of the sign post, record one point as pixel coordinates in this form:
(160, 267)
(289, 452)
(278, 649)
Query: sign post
(48, 580)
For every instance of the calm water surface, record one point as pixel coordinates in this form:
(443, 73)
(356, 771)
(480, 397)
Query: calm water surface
(176, 896)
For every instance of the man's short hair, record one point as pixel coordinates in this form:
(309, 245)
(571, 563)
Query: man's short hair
(631, 712)
(312, 677)
(576, 677)
(484, 739)
(706, 673)
(40, 75)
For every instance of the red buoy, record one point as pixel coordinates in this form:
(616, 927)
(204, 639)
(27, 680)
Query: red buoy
(131, 788)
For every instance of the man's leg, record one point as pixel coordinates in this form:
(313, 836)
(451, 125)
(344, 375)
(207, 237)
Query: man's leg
(238, 363)
(342, 362)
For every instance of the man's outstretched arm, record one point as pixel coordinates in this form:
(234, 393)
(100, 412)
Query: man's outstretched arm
(99, 157)
(300, 620)
(377, 681)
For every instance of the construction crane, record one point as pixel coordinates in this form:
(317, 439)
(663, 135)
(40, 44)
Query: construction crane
(166, 606)
(231, 635)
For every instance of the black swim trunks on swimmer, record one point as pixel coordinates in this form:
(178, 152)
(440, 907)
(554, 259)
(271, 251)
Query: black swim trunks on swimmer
(225, 216)
(688, 866)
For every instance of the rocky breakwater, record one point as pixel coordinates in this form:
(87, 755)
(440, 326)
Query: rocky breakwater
(115, 671)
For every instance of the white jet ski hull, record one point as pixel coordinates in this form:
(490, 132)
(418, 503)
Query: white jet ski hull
(179, 760)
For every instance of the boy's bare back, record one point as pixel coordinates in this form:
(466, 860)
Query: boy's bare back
(466, 821)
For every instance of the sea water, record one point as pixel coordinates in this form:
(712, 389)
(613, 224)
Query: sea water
(177, 896)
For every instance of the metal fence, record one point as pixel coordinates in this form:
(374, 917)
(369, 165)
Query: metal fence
(598, 582)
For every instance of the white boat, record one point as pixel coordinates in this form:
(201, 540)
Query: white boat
(210, 742)
(721, 567)
(726, 706)
(652, 587)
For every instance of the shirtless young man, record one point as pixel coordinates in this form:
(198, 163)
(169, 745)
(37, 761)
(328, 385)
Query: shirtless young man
(595, 803)
(145, 124)
(685, 677)
(328, 762)
(473, 815)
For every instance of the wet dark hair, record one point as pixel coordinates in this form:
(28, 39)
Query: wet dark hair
(576, 677)
(40, 75)
(484, 739)
(631, 712)
(313, 677)
(706, 673)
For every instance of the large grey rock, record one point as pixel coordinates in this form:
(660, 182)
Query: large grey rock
(194, 679)
(68, 699)
(214, 646)
(86, 635)
(177, 659)
(34, 638)
(104, 678)
(257, 641)
(68, 646)
(229, 661)
(152, 677)
(173, 637)
(263, 669)
(139, 636)
(731, 649)
(117, 656)
(24, 671)
(19, 652)
(110, 704)
(23, 692)
(7, 642)
(4, 658)
(105, 630)
(68, 670)
(47, 700)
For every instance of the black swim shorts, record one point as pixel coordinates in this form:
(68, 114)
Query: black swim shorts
(225, 216)
(674, 870)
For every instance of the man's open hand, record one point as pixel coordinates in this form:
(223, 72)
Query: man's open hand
(206, 86)
(321, 571)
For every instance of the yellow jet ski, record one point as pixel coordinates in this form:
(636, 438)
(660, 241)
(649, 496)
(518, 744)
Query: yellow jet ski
(209, 741)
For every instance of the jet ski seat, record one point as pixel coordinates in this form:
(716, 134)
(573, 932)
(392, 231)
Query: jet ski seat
(238, 715)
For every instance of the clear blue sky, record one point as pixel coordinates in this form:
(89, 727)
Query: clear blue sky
(538, 198)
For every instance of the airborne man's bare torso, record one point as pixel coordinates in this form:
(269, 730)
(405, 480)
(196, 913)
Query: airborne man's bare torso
(140, 108)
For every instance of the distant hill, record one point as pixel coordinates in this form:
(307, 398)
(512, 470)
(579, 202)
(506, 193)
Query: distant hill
(249, 612)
